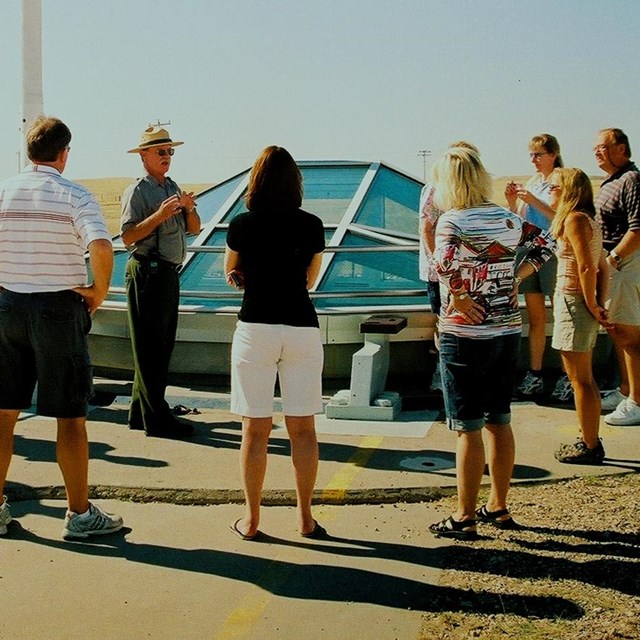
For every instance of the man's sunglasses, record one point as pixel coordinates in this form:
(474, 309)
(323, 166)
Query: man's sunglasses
(165, 152)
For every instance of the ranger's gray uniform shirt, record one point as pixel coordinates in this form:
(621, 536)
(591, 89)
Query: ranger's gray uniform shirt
(139, 201)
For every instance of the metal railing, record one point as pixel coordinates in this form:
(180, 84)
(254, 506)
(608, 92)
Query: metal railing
(315, 295)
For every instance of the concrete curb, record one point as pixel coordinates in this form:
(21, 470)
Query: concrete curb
(270, 497)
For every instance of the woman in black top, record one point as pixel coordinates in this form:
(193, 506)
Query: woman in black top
(274, 253)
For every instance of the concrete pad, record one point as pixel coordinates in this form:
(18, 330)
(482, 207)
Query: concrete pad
(178, 572)
(409, 424)
(369, 461)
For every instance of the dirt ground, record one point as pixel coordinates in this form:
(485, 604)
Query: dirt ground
(573, 571)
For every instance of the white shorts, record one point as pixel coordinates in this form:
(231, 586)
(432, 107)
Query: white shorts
(259, 353)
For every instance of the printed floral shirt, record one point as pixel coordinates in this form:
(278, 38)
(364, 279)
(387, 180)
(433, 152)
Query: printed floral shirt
(475, 250)
(429, 213)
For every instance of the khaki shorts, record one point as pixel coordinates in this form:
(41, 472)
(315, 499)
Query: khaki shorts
(574, 328)
(624, 292)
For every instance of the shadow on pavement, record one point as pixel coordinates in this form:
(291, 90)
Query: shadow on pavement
(37, 450)
(323, 581)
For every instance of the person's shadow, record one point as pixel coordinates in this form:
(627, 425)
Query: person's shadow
(38, 450)
(323, 581)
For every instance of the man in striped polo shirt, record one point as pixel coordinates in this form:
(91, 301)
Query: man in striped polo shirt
(46, 224)
(618, 208)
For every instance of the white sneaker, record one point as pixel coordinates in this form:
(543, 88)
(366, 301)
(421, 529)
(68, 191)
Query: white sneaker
(5, 517)
(611, 399)
(93, 523)
(627, 414)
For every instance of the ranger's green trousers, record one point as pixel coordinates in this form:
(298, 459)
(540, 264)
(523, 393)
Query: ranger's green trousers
(153, 293)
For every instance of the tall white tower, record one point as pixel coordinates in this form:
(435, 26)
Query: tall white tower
(32, 101)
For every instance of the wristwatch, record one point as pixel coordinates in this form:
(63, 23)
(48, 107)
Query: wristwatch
(518, 280)
(462, 296)
(615, 257)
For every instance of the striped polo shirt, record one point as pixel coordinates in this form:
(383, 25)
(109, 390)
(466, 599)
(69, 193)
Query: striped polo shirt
(618, 205)
(46, 225)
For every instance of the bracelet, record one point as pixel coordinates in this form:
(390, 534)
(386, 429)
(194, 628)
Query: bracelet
(518, 280)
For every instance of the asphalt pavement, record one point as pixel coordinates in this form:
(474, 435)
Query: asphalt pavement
(177, 571)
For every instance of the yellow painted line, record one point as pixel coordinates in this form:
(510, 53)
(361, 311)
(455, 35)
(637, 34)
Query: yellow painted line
(245, 616)
(242, 620)
(337, 486)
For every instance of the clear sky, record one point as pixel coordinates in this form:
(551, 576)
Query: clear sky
(328, 79)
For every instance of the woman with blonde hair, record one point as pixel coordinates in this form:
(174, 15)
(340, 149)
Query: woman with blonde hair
(480, 326)
(429, 215)
(274, 252)
(578, 304)
(531, 202)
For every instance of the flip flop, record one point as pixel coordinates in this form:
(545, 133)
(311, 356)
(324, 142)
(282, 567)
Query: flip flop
(180, 410)
(318, 531)
(242, 536)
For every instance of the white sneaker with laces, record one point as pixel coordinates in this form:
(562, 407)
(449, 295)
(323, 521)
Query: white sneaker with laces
(627, 414)
(5, 517)
(94, 522)
(611, 399)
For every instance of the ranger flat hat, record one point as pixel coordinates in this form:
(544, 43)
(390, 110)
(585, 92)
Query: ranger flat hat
(154, 136)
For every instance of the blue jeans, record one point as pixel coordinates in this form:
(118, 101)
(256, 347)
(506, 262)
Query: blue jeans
(477, 379)
(433, 295)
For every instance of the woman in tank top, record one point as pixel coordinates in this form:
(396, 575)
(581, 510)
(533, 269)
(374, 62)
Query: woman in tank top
(578, 304)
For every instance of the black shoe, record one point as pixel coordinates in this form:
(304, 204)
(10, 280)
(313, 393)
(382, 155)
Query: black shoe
(173, 430)
(450, 528)
(136, 427)
(497, 518)
(101, 398)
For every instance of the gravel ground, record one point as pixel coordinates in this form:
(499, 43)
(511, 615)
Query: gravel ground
(573, 571)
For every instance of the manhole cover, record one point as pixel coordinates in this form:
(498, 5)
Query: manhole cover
(428, 463)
